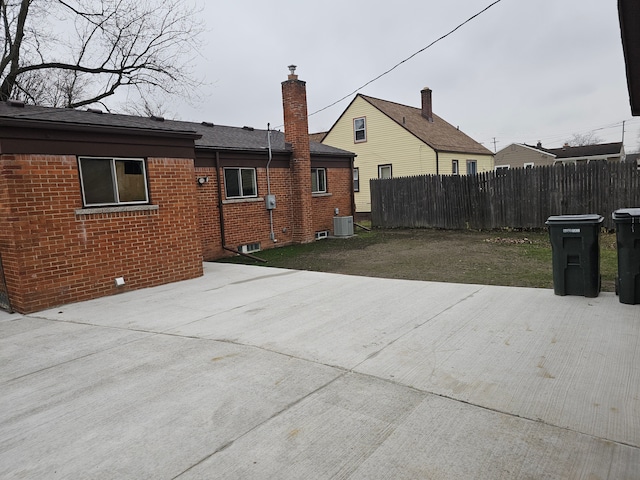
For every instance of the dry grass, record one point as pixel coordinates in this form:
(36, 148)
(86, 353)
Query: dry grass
(511, 258)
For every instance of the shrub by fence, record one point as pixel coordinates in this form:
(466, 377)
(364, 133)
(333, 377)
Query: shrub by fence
(515, 198)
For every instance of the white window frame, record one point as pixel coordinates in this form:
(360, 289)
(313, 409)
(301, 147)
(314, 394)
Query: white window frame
(502, 167)
(356, 179)
(239, 170)
(383, 167)
(455, 167)
(475, 166)
(362, 129)
(114, 180)
(320, 177)
(250, 247)
(529, 165)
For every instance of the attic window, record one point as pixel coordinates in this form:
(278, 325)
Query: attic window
(360, 129)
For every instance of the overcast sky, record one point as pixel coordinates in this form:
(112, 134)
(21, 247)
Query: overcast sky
(523, 71)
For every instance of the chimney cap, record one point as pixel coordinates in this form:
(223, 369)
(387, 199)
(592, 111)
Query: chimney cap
(292, 69)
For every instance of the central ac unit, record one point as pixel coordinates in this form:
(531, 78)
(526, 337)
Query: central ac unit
(342, 226)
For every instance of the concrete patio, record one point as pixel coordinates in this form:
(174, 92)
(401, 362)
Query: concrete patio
(253, 372)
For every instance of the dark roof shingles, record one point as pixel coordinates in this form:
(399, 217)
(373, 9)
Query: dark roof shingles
(438, 134)
(212, 136)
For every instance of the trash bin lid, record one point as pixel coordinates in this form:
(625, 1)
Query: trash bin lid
(626, 215)
(588, 219)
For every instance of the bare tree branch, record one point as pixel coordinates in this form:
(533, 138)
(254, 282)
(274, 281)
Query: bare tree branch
(90, 49)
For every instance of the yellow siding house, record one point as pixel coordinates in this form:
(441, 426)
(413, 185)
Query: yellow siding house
(393, 140)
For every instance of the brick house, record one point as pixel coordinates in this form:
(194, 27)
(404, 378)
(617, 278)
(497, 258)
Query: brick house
(91, 200)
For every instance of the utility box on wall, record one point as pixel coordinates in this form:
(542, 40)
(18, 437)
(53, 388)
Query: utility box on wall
(343, 226)
(270, 201)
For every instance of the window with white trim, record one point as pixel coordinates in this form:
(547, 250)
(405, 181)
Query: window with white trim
(240, 183)
(356, 179)
(360, 129)
(528, 165)
(455, 169)
(113, 181)
(318, 180)
(384, 171)
(472, 167)
(501, 170)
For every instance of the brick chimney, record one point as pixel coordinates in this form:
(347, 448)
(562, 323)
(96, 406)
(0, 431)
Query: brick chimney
(427, 111)
(296, 132)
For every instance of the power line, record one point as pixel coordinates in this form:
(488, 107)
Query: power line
(408, 58)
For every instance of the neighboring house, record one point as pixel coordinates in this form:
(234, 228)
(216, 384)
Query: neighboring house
(317, 137)
(393, 140)
(634, 157)
(93, 204)
(520, 155)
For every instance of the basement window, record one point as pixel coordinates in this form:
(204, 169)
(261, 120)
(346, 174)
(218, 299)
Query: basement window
(113, 181)
(322, 234)
(250, 248)
(240, 183)
(318, 180)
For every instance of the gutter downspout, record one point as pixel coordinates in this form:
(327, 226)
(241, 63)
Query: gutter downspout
(220, 211)
(272, 235)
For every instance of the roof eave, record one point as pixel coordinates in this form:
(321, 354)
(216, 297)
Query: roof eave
(83, 127)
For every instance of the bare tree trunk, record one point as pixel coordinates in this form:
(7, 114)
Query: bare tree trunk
(14, 45)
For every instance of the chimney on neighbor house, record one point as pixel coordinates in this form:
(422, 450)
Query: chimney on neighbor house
(296, 132)
(539, 144)
(427, 110)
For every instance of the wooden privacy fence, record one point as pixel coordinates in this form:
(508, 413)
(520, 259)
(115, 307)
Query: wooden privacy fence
(515, 198)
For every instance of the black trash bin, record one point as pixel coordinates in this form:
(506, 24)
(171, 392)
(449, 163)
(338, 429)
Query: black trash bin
(575, 245)
(627, 222)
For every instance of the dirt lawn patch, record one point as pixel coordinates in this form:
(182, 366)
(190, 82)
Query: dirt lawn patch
(520, 259)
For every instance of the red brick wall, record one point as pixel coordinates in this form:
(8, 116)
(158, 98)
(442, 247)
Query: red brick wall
(247, 221)
(296, 132)
(52, 256)
(339, 184)
(209, 214)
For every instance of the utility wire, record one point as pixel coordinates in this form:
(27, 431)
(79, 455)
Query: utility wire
(408, 58)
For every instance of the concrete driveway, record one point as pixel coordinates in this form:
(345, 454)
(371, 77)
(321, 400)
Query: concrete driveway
(253, 372)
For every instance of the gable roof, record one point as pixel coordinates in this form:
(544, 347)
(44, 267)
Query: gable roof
(317, 137)
(439, 134)
(597, 150)
(206, 135)
(529, 147)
